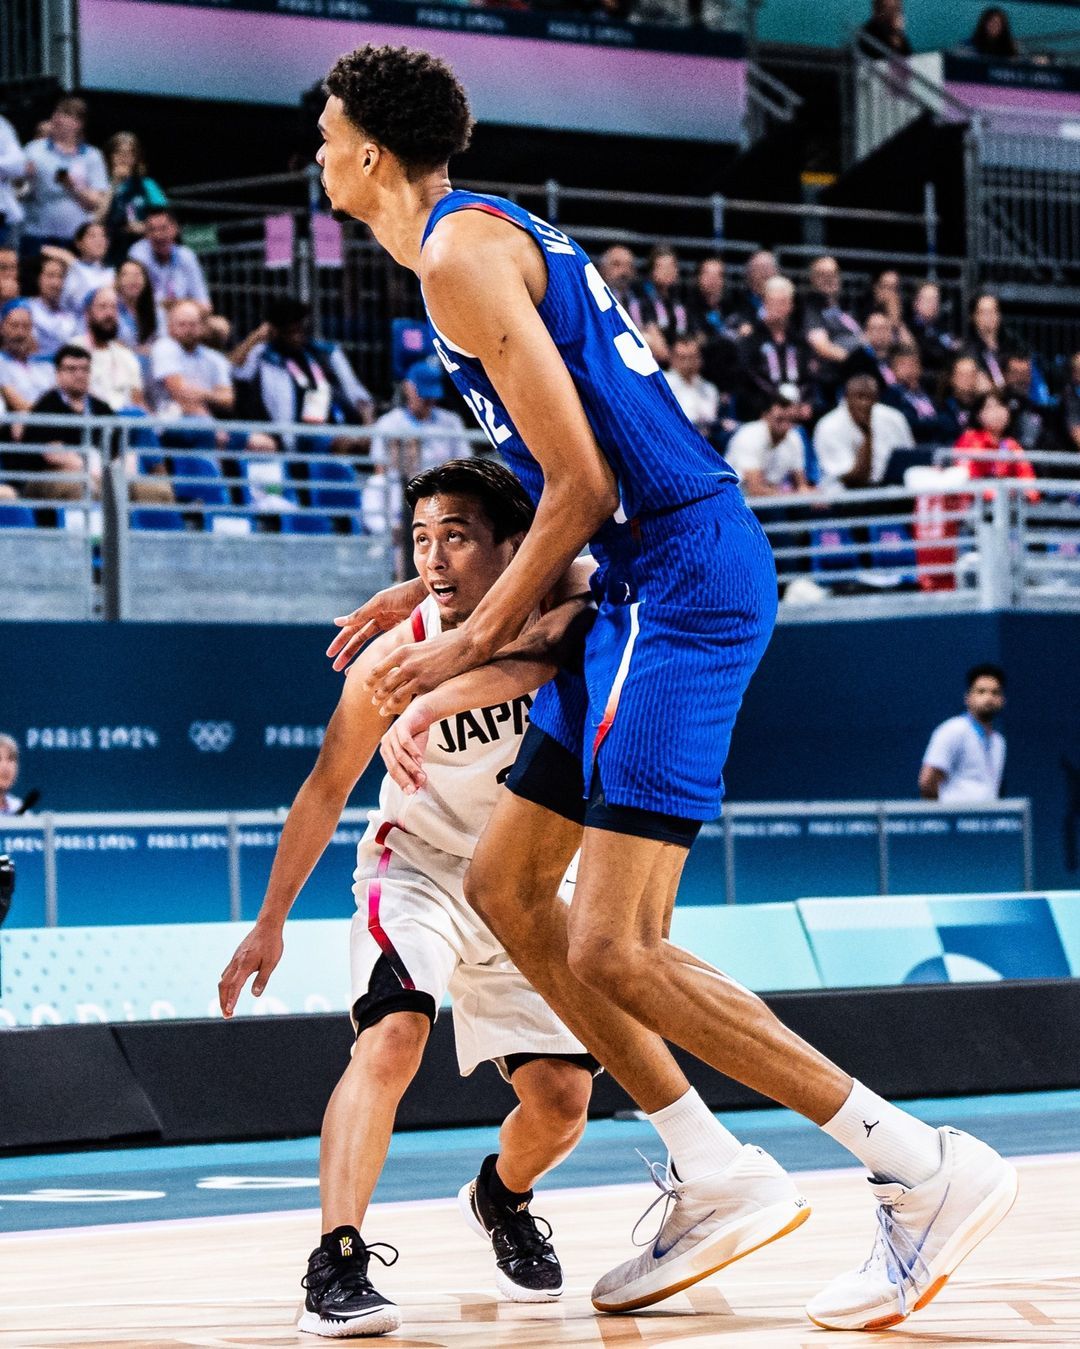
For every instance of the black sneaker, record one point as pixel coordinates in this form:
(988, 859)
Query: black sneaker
(340, 1299)
(526, 1267)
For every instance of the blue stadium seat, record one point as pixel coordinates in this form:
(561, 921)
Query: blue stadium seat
(212, 492)
(411, 340)
(16, 517)
(306, 524)
(837, 537)
(893, 550)
(347, 498)
(152, 517)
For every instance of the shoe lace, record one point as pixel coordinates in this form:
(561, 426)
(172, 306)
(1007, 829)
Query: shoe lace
(352, 1275)
(903, 1257)
(530, 1241)
(668, 1196)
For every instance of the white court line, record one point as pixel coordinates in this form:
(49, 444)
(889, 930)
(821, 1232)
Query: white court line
(450, 1202)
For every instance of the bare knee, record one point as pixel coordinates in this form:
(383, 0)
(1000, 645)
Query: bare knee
(485, 893)
(608, 965)
(389, 1052)
(556, 1091)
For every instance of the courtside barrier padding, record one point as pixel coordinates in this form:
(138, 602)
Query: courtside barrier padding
(265, 1077)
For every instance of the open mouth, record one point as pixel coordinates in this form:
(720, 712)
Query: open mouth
(443, 591)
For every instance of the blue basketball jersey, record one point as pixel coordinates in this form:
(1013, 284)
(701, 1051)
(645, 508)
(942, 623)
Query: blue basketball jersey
(659, 458)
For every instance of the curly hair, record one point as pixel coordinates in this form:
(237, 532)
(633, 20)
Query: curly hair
(408, 101)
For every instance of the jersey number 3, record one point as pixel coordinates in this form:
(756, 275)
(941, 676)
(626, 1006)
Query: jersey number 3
(631, 346)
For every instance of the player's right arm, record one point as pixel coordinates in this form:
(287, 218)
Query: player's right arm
(351, 740)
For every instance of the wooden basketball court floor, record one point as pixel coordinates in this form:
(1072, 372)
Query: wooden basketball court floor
(233, 1281)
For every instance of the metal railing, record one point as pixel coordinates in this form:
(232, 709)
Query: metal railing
(354, 300)
(99, 833)
(884, 819)
(202, 523)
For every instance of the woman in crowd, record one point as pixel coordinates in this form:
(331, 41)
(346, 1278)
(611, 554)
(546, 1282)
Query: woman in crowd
(138, 313)
(987, 342)
(54, 324)
(993, 37)
(961, 390)
(937, 346)
(132, 194)
(661, 312)
(887, 298)
(987, 433)
(87, 268)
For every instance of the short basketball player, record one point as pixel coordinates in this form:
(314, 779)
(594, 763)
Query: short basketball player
(414, 937)
(569, 393)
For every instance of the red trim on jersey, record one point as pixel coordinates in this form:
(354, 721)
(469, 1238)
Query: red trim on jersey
(488, 209)
(374, 896)
(419, 632)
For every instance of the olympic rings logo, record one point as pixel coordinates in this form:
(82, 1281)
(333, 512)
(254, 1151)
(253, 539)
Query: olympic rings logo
(211, 737)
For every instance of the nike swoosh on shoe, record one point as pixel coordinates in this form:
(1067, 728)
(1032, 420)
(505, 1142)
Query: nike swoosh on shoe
(659, 1254)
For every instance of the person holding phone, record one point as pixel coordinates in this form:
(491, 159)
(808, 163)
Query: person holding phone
(69, 182)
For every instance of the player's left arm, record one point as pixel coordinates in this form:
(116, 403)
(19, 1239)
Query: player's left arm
(481, 290)
(555, 640)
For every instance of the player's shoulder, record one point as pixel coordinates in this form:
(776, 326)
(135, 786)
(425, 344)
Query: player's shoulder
(401, 634)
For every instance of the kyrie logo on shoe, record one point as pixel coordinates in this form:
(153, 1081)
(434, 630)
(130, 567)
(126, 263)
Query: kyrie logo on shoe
(870, 1127)
(346, 1245)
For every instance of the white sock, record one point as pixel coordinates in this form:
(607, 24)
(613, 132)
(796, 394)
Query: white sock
(890, 1143)
(699, 1144)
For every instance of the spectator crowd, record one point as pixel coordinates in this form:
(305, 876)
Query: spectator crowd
(800, 383)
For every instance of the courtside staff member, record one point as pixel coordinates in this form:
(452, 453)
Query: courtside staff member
(965, 758)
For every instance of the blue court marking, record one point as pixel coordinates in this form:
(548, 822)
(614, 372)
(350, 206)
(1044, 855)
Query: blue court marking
(170, 1182)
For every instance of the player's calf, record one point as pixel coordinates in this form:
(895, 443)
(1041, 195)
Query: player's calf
(554, 1097)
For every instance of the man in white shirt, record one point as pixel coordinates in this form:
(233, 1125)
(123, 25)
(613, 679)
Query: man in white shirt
(965, 758)
(174, 270)
(769, 455)
(854, 441)
(189, 379)
(699, 399)
(115, 374)
(12, 168)
(68, 179)
(406, 440)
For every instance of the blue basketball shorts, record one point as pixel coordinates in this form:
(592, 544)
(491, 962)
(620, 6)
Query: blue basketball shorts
(686, 606)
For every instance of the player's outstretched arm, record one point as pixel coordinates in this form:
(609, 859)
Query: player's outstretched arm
(352, 738)
(377, 615)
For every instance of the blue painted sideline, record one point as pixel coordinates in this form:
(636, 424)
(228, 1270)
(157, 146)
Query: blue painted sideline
(166, 1183)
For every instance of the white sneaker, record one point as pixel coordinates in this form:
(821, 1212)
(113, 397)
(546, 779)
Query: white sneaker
(708, 1223)
(923, 1234)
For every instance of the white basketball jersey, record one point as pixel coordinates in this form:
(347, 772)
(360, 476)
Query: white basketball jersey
(468, 757)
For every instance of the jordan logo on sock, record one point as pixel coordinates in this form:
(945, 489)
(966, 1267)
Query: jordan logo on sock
(869, 1127)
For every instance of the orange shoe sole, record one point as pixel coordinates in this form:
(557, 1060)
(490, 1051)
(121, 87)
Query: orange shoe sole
(674, 1288)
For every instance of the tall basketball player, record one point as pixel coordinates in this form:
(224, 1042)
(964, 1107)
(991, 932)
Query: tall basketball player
(569, 393)
(414, 936)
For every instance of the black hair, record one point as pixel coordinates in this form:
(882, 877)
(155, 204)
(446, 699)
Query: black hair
(506, 503)
(408, 101)
(284, 310)
(69, 351)
(1002, 45)
(80, 233)
(984, 671)
(145, 313)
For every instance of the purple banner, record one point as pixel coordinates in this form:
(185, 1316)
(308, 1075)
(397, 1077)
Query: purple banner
(520, 69)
